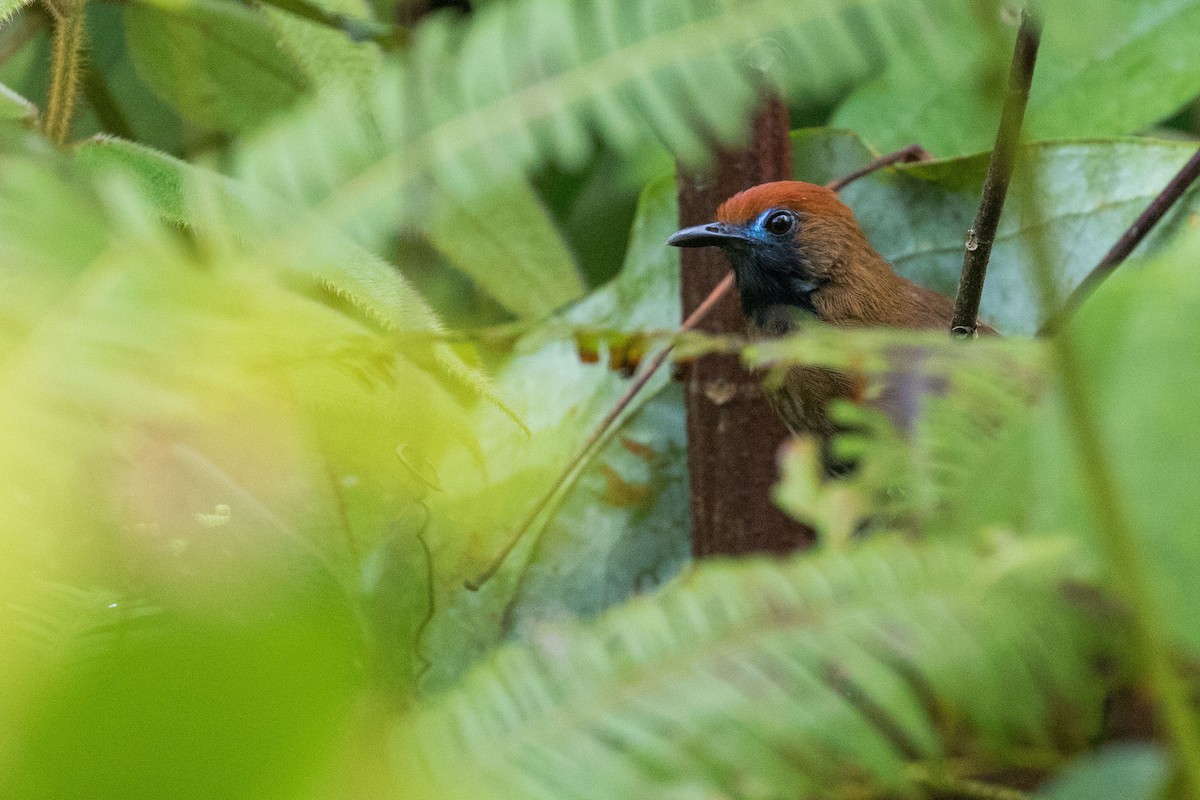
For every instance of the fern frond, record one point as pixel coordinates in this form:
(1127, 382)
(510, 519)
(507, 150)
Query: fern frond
(474, 103)
(57, 622)
(772, 679)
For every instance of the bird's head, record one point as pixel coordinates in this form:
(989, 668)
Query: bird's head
(789, 242)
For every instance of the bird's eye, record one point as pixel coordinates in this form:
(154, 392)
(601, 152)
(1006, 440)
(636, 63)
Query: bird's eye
(780, 222)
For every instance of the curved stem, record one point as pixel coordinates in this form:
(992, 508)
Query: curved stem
(1117, 536)
(70, 33)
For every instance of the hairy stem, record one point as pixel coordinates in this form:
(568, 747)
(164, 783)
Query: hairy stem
(1116, 532)
(1129, 240)
(995, 185)
(70, 33)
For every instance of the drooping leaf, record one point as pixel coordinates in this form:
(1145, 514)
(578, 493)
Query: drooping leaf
(217, 63)
(765, 679)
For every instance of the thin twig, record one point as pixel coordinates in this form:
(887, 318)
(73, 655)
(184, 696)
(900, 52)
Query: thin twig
(905, 155)
(1117, 537)
(356, 28)
(574, 468)
(1130, 239)
(599, 433)
(995, 185)
(70, 32)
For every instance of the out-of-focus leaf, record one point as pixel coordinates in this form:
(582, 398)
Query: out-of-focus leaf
(15, 107)
(217, 63)
(1135, 771)
(10, 7)
(1104, 69)
(1141, 363)
(185, 431)
(329, 58)
(485, 497)
(788, 678)
(917, 216)
(469, 106)
(153, 122)
(507, 242)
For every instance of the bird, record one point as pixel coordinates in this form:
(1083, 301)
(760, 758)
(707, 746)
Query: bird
(795, 248)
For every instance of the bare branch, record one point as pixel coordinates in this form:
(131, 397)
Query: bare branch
(995, 185)
(905, 155)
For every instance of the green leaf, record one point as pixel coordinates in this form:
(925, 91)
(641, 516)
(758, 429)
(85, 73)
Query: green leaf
(1130, 771)
(216, 62)
(469, 104)
(329, 58)
(1140, 356)
(562, 399)
(757, 678)
(10, 7)
(507, 242)
(917, 216)
(1104, 69)
(166, 182)
(15, 107)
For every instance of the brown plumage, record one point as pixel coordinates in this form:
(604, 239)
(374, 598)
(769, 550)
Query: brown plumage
(795, 247)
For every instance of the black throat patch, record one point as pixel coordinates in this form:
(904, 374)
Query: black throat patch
(770, 275)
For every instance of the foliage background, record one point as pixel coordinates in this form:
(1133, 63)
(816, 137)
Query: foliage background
(297, 338)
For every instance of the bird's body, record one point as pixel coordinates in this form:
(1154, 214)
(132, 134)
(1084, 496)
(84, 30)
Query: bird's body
(795, 248)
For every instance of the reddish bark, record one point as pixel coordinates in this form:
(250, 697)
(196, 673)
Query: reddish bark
(733, 435)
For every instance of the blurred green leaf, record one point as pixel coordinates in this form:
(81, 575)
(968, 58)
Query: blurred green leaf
(15, 107)
(507, 242)
(469, 107)
(1104, 69)
(790, 678)
(329, 58)
(561, 399)
(216, 62)
(153, 122)
(1141, 361)
(10, 7)
(1129, 771)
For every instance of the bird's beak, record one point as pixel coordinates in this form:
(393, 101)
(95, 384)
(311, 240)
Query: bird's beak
(712, 234)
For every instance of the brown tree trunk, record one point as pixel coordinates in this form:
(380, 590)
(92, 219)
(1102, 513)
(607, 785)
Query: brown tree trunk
(733, 435)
